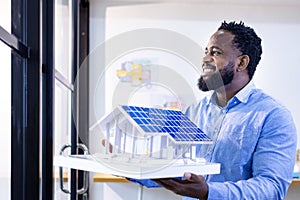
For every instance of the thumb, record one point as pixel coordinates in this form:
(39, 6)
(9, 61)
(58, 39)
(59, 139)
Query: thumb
(193, 177)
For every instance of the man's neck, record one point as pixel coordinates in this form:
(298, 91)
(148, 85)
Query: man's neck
(225, 93)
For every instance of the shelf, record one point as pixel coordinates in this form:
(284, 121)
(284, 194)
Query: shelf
(296, 181)
(109, 178)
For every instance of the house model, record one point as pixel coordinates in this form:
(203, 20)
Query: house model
(145, 142)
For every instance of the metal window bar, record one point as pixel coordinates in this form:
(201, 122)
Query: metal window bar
(13, 42)
(63, 80)
(47, 34)
(74, 56)
(25, 99)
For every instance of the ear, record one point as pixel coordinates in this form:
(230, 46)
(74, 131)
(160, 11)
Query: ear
(243, 62)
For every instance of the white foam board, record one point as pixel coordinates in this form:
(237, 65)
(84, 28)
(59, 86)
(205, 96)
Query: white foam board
(136, 170)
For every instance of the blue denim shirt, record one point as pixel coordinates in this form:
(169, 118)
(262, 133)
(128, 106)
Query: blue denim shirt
(254, 141)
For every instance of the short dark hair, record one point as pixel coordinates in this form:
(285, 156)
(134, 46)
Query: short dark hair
(246, 40)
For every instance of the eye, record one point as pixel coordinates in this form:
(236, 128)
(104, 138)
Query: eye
(215, 53)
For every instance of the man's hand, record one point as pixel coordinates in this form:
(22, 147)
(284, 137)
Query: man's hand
(110, 145)
(193, 185)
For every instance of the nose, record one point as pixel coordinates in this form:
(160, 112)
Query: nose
(206, 58)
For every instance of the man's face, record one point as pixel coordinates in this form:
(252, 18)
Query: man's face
(219, 62)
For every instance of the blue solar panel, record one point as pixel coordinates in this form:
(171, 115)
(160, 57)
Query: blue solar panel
(178, 126)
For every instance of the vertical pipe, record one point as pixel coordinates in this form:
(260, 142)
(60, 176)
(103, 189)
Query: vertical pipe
(163, 144)
(74, 61)
(124, 141)
(47, 97)
(83, 105)
(115, 147)
(151, 147)
(107, 138)
(119, 140)
(140, 192)
(133, 142)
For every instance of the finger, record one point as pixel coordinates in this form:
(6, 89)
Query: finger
(193, 177)
(156, 181)
(162, 183)
(170, 184)
(159, 181)
(103, 142)
(187, 175)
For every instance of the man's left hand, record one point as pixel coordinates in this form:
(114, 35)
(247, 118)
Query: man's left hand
(193, 185)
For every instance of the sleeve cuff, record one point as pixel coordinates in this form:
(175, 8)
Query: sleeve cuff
(217, 191)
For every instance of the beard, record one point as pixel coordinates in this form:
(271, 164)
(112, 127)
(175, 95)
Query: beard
(218, 79)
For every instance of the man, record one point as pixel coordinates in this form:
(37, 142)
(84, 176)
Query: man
(255, 136)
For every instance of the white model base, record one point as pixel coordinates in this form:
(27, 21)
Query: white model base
(134, 169)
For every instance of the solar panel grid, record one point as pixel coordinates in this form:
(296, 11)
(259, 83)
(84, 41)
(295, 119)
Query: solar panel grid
(179, 127)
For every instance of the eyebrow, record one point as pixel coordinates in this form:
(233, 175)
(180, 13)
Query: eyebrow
(214, 47)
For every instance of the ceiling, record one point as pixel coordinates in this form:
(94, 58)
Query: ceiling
(253, 2)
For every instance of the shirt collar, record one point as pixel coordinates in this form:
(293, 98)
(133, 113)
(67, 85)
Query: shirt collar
(243, 95)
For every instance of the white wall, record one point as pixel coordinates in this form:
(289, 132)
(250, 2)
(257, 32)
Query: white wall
(276, 22)
(128, 191)
(277, 25)
(5, 105)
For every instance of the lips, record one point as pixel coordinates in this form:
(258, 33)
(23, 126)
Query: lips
(208, 70)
